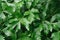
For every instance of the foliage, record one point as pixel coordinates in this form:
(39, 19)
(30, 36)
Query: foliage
(29, 19)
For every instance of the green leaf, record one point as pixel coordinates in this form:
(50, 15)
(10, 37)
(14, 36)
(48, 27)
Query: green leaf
(0, 7)
(49, 26)
(1, 37)
(25, 22)
(37, 33)
(19, 4)
(53, 18)
(13, 20)
(16, 1)
(56, 36)
(33, 10)
(58, 17)
(25, 38)
(13, 35)
(18, 26)
(10, 8)
(27, 13)
(31, 18)
(7, 32)
(28, 4)
(56, 25)
(2, 16)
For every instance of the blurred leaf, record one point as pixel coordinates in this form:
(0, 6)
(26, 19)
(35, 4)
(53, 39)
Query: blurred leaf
(56, 25)
(18, 26)
(31, 18)
(2, 16)
(27, 13)
(53, 18)
(1, 37)
(7, 32)
(28, 4)
(56, 36)
(25, 22)
(33, 10)
(25, 38)
(19, 4)
(16, 1)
